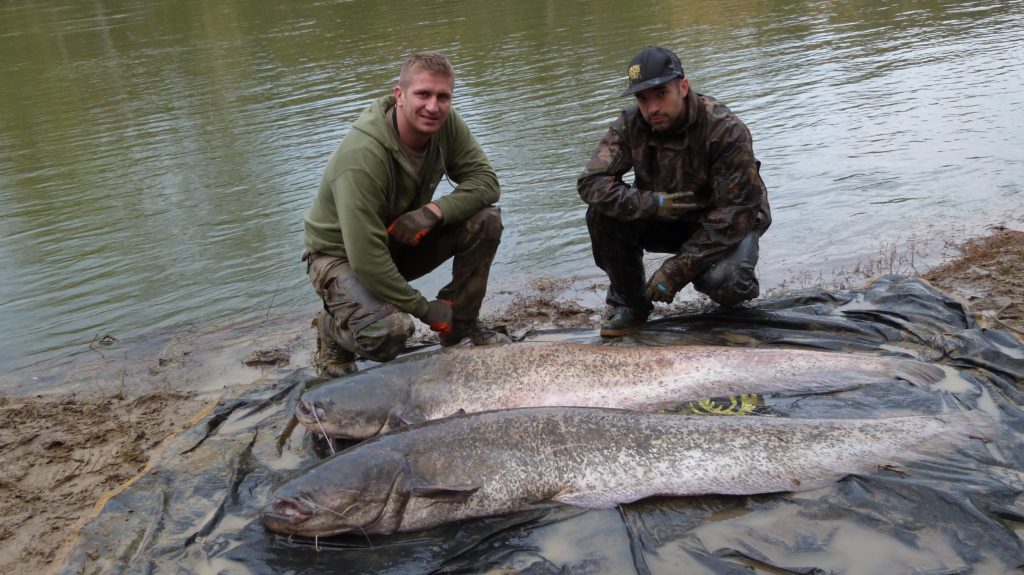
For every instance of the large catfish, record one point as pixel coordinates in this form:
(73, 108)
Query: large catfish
(470, 379)
(498, 462)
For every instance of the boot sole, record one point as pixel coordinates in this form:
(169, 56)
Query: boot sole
(337, 371)
(611, 332)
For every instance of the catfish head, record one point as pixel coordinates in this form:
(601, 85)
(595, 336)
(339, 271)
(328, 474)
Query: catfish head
(361, 491)
(355, 407)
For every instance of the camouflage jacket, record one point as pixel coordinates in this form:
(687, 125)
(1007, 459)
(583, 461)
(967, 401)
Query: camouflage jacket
(711, 154)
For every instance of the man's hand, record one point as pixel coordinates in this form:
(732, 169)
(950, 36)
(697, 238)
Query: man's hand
(439, 317)
(673, 206)
(661, 287)
(410, 227)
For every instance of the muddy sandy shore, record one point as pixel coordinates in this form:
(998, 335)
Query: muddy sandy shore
(73, 435)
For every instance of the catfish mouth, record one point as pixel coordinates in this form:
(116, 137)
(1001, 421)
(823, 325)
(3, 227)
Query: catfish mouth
(306, 412)
(285, 512)
(290, 516)
(312, 417)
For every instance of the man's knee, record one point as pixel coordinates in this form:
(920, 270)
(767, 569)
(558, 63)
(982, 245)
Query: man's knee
(321, 269)
(612, 236)
(733, 293)
(383, 339)
(732, 280)
(600, 225)
(486, 225)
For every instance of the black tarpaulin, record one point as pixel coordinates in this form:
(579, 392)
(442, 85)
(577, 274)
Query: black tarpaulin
(197, 510)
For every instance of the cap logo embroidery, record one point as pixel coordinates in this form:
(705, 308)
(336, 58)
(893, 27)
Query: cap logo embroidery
(634, 72)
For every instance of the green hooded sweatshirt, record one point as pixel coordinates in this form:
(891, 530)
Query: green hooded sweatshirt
(368, 183)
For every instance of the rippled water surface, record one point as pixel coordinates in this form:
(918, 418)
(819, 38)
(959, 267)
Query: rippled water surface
(156, 158)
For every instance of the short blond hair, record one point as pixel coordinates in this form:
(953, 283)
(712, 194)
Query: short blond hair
(433, 62)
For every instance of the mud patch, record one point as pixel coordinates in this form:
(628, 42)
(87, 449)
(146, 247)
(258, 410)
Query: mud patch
(61, 453)
(988, 275)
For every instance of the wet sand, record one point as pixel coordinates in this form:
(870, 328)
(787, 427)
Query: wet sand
(76, 433)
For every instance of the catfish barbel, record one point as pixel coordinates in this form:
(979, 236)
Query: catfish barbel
(470, 379)
(498, 462)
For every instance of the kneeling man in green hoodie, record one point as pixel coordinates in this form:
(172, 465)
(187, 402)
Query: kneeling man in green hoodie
(373, 226)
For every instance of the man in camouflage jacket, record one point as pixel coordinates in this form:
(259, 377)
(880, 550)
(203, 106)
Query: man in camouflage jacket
(696, 194)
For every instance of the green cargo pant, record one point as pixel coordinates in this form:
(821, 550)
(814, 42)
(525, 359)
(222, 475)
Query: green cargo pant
(362, 323)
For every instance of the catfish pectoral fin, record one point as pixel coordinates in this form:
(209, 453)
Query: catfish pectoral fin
(593, 499)
(401, 417)
(452, 493)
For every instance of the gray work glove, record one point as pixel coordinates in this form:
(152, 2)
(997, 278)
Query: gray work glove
(661, 287)
(410, 227)
(438, 317)
(672, 206)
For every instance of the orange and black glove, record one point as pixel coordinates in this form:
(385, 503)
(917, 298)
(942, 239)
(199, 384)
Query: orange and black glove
(661, 287)
(410, 227)
(438, 317)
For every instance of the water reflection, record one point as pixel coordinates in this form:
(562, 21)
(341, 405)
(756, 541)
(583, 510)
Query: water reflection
(156, 159)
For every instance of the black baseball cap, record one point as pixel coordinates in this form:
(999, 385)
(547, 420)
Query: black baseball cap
(653, 66)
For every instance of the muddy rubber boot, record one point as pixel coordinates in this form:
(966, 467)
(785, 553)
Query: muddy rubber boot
(332, 360)
(477, 332)
(623, 321)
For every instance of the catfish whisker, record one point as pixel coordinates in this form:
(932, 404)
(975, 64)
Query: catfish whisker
(327, 509)
(330, 442)
(367, 535)
(343, 516)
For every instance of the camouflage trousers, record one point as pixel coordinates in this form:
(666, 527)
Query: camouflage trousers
(619, 247)
(362, 323)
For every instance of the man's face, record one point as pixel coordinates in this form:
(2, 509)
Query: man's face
(424, 104)
(662, 105)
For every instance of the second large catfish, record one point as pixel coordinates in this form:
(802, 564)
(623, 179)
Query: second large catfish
(471, 379)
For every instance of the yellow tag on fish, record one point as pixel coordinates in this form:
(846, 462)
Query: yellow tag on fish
(745, 404)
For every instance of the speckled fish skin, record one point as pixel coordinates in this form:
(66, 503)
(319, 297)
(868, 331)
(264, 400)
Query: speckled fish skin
(471, 379)
(499, 462)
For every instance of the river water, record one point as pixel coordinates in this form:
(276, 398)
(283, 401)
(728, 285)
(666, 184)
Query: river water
(156, 158)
